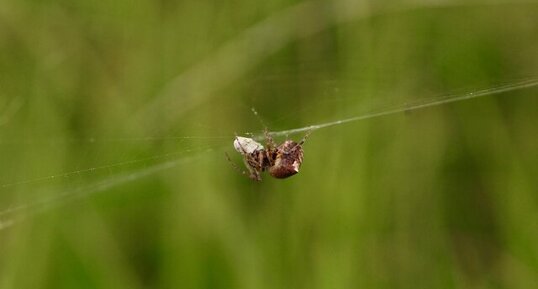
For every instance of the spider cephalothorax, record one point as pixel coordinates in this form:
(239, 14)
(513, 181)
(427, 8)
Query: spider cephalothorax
(281, 161)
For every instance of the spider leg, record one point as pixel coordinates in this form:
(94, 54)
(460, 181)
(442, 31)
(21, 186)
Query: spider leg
(269, 142)
(305, 137)
(254, 170)
(254, 163)
(299, 144)
(234, 165)
(269, 157)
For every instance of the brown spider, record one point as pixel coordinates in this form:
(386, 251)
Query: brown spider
(282, 161)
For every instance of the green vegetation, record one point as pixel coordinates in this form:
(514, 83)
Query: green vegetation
(115, 116)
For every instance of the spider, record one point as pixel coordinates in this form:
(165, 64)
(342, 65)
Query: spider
(282, 161)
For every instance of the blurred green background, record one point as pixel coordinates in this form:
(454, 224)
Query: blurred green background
(115, 116)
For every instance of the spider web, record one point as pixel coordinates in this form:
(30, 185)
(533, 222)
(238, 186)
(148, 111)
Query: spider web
(170, 160)
(118, 168)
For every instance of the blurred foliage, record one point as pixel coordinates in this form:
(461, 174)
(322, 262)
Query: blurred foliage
(115, 116)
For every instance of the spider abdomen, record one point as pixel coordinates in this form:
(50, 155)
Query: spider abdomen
(287, 161)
